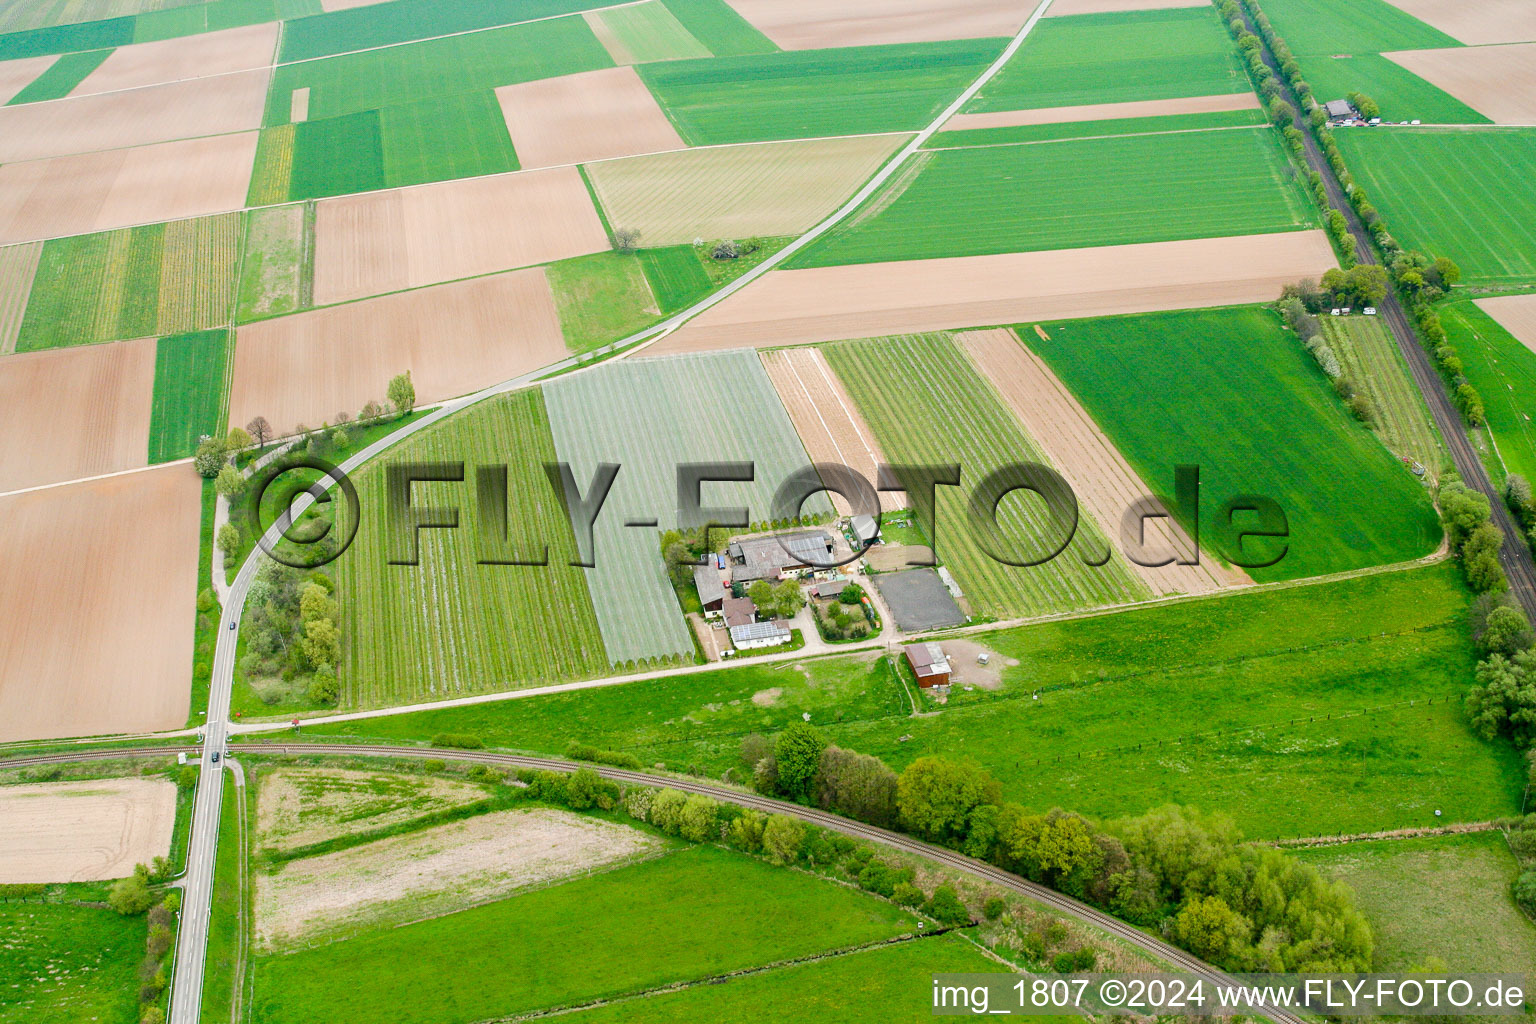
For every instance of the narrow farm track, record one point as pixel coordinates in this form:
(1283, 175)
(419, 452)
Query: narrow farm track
(1065, 905)
(1515, 556)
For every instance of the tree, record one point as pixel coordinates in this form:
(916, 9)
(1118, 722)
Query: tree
(260, 430)
(229, 540)
(754, 747)
(1281, 112)
(797, 753)
(1480, 559)
(1504, 698)
(236, 440)
(1447, 271)
(936, 796)
(666, 807)
(856, 785)
(1462, 510)
(626, 240)
(945, 907)
(131, 896)
(582, 789)
(1507, 632)
(782, 838)
(229, 483)
(321, 644)
(209, 457)
(760, 593)
(787, 599)
(1213, 931)
(315, 603)
(324, 687)
(370, 412)
(402, 393)
(696, 821)
(1525, 892)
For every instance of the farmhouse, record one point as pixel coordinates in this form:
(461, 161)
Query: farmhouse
(759, 634)
(771, 558)
(710, 586)
(830, 588)
(738, 611)
(929, 664)
(1340, 110)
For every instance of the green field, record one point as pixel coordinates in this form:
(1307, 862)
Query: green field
(815, 93)
(221, 970)
(650, 31)
(64, 964)
(277, 273)
(876, 986)
(676, 276)
(335, 156)
(449, 625)
(1090, 129)
(1117, 58)
(1141, 188)
(66, 38)
(1371, 359)
(1229, 391)
(443, 138)
(1504, 373)
(138, 282)
(650, 416)
(61, 77)
(601, 298)
(1247, 664)
(191, 374)
(696, 913)
(1446, 897)
(892, 380)
(721, 29)
(1350, 26)
(1433, 188)
(405, 21)
(1401, 94)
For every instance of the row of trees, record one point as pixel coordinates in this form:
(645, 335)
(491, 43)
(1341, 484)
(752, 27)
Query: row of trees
(1241, 906)
(1309, 329)
(135, 895)
(1517, 494)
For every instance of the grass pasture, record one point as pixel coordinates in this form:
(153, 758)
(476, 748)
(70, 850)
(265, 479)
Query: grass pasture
(1117, 58)
(1092, 129)
(1432, 187)
(644, 32)
(1146, 188)
(63, 964)
(1445, 896)
(676, 276)
(1401, 94)
(1350, 26)
(1371, 359)
(916, 421)
(815, 93)
(1228, 390)
(451, 626)
(1504, 373)
(1246, 664)
(191, 382)
(601, 298)
(138, 282)
(683, 917)
(650, 416)
(278, 269)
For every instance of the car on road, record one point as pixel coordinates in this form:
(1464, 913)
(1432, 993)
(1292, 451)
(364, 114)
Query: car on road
(215, 757)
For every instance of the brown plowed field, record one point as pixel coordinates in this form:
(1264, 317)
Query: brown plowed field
(75, 195)
(1477, 22)
(1062, 8)
(828, 422)
(1105, 111)
(406, 238)
(84, 831)
(175, 60)
(798, 307)
(18, 266)
(137, 117)
(1517, 314)
(1103, 481)
(454, 338)
(595, 115)
(16, 75)
(815, 24)
(70, 413)
(1498, 82)
(97, 603)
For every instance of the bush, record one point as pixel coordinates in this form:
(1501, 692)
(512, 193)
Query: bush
(667, 809)
(994, 908)
(945, 907)
(782, 838)
(908, 895)
(458, 741)
(637, 803)
(131, 896)
(745, 832)
(878, 878)
(696, 819)
(1525, 892)
(582, 789)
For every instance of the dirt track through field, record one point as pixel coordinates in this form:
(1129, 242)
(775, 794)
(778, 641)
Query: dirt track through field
(1498, 82)
(1517, 315)
(438, 870)
(74, 195)
(405, 238)
(1105, 111)
(1476, 22)
(798, 307)
(84, 831)
(454, 338)
(70, 413)
(138, 117)
(825, 417)
(594, 115)
(1103, 481)
(779, 188)
(814, 24)
(16, 75)
(18, 266)
(185, 57)
(1064, 8)
(97, 603)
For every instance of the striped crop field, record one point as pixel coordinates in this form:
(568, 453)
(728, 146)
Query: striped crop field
(896, 383)
(677, 278)
(644, 32)
(191, 384)
(1504, 372)
(18, 266)
(272, 175)
(1371, 359)
(649, 416)
(197, 273)
(449, 625)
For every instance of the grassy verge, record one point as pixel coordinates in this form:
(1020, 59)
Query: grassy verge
(221, 977)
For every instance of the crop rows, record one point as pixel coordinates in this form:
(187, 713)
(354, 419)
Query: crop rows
(197, 273)
(449, 626)
(273, 171)
(649, 416)
(927, 405)
(18, 264)
(646, 32)
(191, 378)
(1370, 358)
